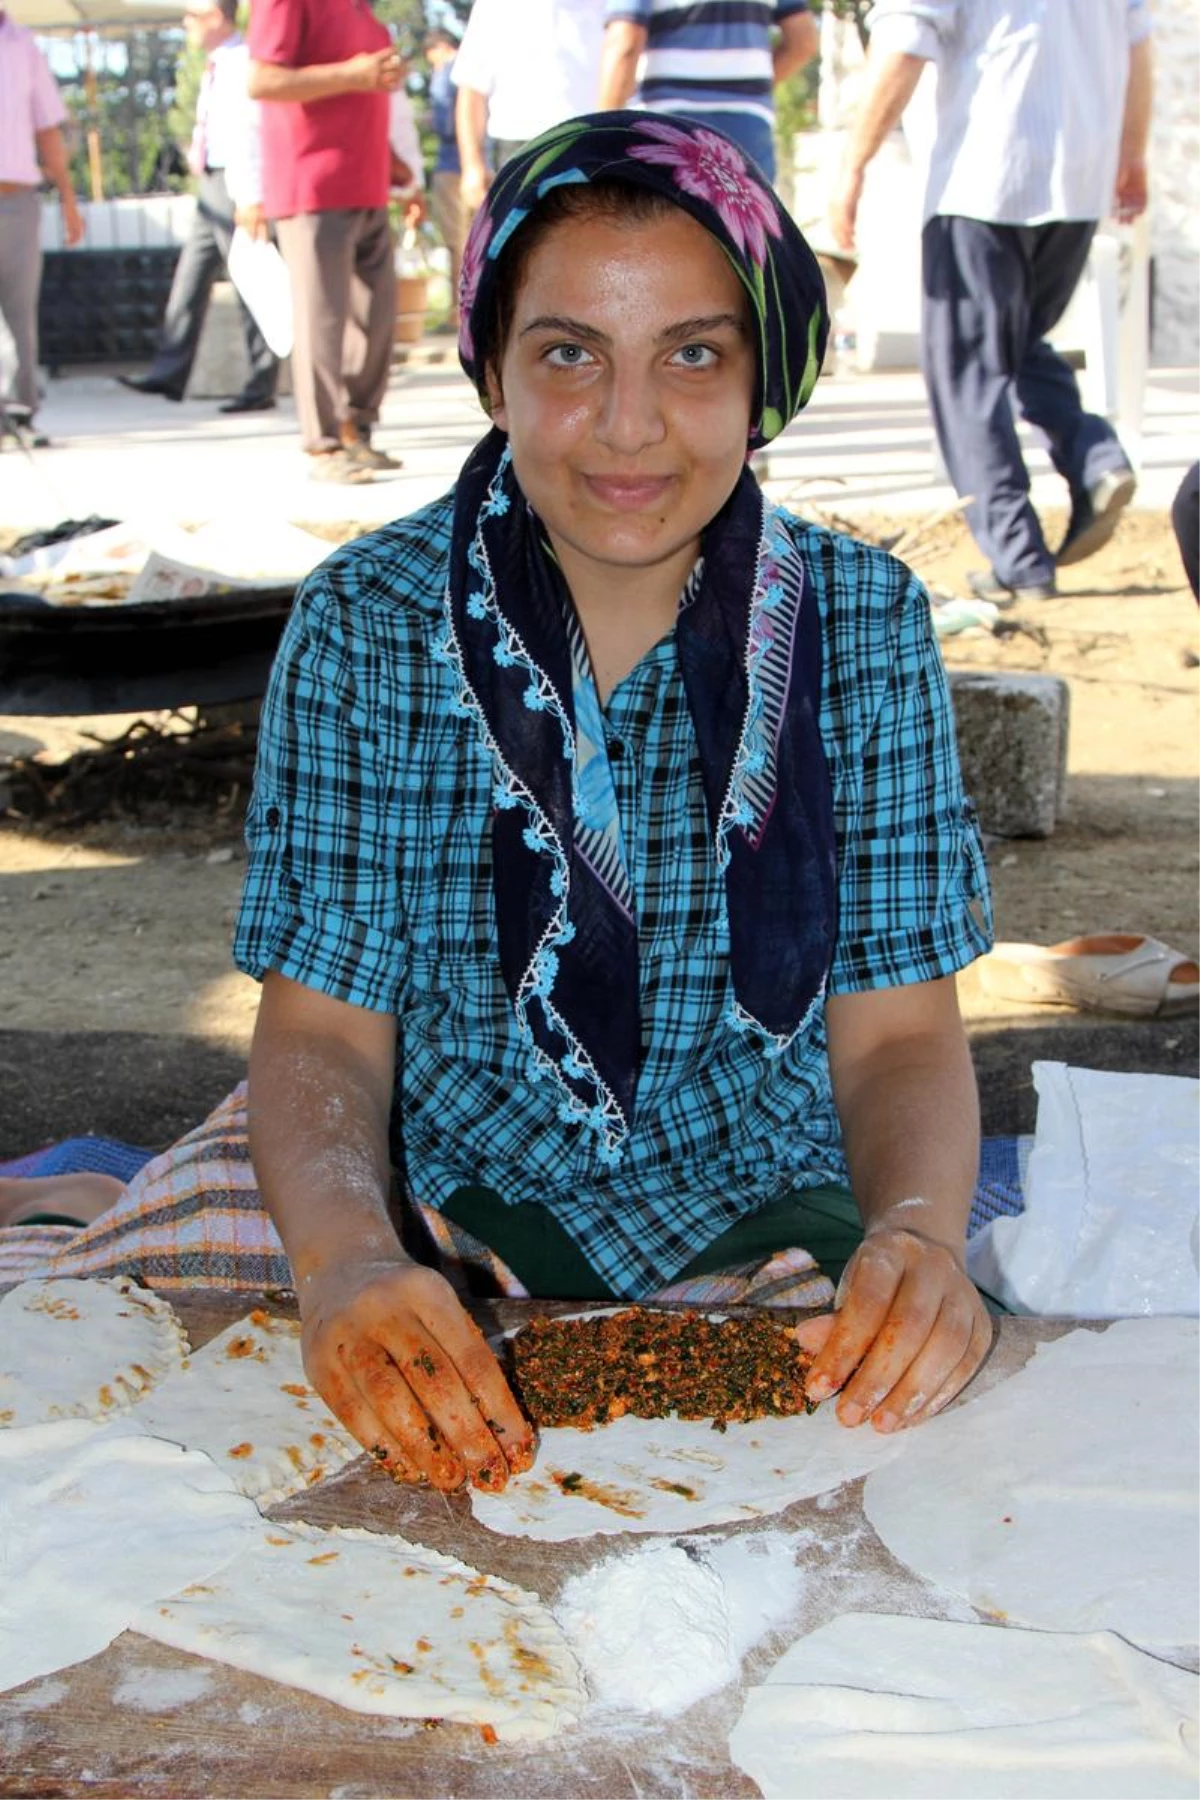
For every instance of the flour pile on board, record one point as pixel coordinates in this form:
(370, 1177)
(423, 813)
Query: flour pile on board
(661, 1627)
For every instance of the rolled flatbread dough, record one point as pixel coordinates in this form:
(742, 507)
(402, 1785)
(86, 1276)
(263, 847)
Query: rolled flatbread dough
(676, 1475)
(382, 1626)
(72, 1349)
(875, 1707)
(245, 1399)
(95, 1521)
(1066, 1497)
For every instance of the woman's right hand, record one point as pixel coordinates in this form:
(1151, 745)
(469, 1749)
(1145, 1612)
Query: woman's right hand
(388, 1346)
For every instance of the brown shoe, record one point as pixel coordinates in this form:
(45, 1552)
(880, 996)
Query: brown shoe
(356, 444)
(338, 466)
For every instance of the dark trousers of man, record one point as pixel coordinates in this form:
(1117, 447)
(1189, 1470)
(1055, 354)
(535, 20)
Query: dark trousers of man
(343, 280)
(1185, 517)
(991, 293)
(201, 261)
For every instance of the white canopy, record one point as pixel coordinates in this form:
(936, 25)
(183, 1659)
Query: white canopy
(93, 15)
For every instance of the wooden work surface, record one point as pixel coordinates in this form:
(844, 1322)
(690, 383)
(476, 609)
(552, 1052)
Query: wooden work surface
(141, 1719)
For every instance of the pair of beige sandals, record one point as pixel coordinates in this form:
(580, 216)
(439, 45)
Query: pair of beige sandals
(1117, 972)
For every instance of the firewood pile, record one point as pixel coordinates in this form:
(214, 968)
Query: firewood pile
(179, 771)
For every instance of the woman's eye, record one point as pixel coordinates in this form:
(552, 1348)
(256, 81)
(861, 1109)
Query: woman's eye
(567, 356)
(696, 356)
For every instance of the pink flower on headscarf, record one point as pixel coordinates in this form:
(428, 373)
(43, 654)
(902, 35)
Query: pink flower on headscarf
(474, 257)
(712, 169)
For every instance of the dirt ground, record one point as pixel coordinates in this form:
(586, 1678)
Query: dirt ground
(123, 1014)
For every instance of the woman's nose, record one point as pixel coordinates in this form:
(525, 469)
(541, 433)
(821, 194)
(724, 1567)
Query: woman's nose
(631, 416)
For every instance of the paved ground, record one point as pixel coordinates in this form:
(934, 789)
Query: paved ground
(865, 443)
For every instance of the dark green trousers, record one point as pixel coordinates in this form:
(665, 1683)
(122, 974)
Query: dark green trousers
(545, 1258)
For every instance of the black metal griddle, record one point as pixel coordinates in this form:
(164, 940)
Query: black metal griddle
(153, 654)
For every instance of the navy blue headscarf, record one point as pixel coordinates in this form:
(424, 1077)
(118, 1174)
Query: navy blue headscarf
(748, 644)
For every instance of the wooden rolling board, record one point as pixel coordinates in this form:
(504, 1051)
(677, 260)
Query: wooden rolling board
(144, 1720)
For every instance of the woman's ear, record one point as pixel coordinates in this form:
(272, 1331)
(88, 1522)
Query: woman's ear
(495, 397)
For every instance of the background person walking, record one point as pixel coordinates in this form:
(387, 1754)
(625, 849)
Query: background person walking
(1042, 118)
(225, 156)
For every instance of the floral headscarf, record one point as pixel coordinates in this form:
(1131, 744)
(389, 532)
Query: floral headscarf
(709, 177)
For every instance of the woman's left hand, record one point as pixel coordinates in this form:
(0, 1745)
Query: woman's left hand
(909, 1332)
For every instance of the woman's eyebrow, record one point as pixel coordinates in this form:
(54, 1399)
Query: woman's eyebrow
(572, 328)
(678, 333)
(693, 328)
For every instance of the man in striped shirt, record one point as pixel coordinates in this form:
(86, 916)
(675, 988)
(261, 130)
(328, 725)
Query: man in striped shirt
(715, 60)
(1042, 118)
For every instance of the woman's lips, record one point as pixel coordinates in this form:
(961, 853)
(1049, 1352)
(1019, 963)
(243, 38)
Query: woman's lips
(629, 493)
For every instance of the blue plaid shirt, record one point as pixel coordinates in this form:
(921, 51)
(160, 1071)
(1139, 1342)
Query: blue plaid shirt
(370, 836)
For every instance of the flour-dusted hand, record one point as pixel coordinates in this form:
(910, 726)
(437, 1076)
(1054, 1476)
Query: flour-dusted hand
(385, 1341)
(909, 1332)
(910, 1329)
(388, 1346)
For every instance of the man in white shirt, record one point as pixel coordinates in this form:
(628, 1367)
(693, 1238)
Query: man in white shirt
(522, 66)
(1043, 113)
(225, 157)
(32, 150)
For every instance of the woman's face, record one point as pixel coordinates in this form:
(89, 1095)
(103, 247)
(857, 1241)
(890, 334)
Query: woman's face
(625, 389)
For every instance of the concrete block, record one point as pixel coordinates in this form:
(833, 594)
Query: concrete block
(222, 368)
(1012, 742)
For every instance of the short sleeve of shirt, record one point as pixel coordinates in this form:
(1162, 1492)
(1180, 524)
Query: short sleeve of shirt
(909, 28)
(913, 899)
(277, 31)
(47, 108)
(478, 54)
(321, 903)
(1139, 21)
(637, 12)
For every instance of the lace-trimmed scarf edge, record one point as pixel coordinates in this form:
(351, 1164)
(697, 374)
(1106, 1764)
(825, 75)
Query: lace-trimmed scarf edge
(752, 671)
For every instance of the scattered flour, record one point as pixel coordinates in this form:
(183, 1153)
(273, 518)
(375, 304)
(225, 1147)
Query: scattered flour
(660, 1628)
(46, 1693)
(161, 1690)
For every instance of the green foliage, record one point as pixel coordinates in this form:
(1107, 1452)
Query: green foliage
(409, 20)
(130, 104)
(146, 83)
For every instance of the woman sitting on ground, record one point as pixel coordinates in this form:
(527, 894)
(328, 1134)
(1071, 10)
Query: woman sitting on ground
(609, 864)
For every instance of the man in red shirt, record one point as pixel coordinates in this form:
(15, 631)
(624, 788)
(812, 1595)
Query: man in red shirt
(326, 67)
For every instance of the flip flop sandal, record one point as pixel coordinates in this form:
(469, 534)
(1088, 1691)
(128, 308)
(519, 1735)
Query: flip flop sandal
(1117, 972)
